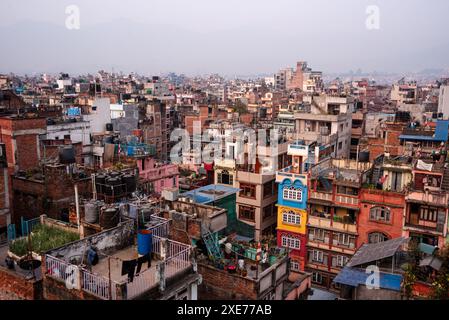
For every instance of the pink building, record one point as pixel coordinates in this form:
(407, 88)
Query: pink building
(155, 176)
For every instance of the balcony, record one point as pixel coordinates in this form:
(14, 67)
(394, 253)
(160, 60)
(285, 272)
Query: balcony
(321, 195)
(298, 148)
(288, 173)
(439, 199)
(326, 223)
(347, 200)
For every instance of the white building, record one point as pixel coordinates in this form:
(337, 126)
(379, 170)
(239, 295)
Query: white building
(443, 101)
(327, 120)
(100, 115)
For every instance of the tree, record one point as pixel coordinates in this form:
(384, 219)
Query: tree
(441, 283)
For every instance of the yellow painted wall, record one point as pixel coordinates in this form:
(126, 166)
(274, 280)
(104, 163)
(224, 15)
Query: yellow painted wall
(292, 227)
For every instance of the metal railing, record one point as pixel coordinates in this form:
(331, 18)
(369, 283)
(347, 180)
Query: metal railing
(58, 268)
(161, 229)
(141, 283)
(70, 274)
(177, 262)
(99, 286)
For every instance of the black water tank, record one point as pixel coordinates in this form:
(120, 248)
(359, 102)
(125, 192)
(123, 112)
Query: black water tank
(109, 218)
(100, 181)
(114, 187)
(109, 127)
(263, 113)
(130, 182)
(67, 155)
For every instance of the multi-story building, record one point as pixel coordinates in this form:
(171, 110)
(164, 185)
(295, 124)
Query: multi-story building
(327, 120)
(292, 205)
(258, 195)
(333, 208)
(426, 212)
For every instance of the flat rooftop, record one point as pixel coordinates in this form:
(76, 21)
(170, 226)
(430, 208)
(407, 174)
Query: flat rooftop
(129, 253)
(210, 193)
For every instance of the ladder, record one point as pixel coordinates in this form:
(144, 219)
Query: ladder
(211, 242)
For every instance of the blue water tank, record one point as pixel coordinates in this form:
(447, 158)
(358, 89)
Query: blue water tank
(144, 242)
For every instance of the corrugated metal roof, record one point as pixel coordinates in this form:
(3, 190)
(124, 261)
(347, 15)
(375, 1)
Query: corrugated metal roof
(376, 251)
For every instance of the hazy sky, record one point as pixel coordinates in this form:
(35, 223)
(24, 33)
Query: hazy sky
(232, 37)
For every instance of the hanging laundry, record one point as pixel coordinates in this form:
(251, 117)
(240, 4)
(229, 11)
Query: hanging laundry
(141, 260)
(129, 268)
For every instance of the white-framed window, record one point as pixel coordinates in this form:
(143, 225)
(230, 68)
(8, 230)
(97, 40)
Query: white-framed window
(341, 261)
(291, 217)
(318, 256)
(292, 193)
(289, 241)
(317, 277)
(380, 214)
(294, 265)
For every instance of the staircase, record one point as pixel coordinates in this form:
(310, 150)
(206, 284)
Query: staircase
(445, 182)
(211, 242)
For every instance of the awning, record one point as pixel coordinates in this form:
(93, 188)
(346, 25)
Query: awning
(355, 277)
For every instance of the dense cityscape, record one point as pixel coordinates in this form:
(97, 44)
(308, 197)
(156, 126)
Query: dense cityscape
(259, 174)
(282, 187)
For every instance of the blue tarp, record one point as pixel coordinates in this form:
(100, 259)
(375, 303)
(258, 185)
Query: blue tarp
(441, 133)
(355, 277)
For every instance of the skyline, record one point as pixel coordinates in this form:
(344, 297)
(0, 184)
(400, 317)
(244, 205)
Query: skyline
(240, 39)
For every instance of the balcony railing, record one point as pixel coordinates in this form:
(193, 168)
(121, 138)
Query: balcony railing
(321, 195)
(327, 223)
(438, 199)
(353, 201)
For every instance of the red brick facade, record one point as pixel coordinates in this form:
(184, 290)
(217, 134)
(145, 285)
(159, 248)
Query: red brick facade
(393, 201)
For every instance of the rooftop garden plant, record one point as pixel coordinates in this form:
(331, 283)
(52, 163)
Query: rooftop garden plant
(43, 238)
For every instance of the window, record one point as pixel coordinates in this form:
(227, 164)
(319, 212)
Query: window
(317, 277)
(248, 190)
(268, 189)
(347, 190)
(268, 211)
(428, 214)
(340, 145)
(225, 178)
(376, 237)
(339, 261)
(317, 256)
(289, 241)
(247, 213)
(396, 181)
(380, 214)
(344, 240)
(294, 265)
(319, 235)
(291, 217)
(292, 193)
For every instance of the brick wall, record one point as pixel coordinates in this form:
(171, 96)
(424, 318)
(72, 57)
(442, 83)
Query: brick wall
(220, 285)
(374, 198)
(17, 287)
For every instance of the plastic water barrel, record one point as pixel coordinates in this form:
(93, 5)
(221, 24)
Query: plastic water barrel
(144, 242)
(91, 212)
